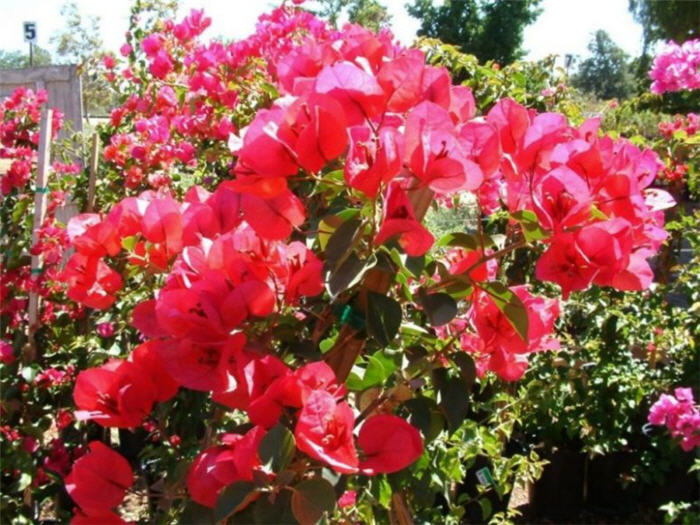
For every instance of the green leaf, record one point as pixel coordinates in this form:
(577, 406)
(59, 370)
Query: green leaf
(486, 509)
(128, 243)
(311, 498)
(467, 368)
(232, 499)
(453, 397)
(28, 373)
(20, 209)
(383, 317)
(532, 231)
(424, 414)
(460, 239)
(270, 90)
(348, 274)
(25, 479)
(326, 344)
(378, 369)
(277, 448)
(439, 307)
(385, 492)
(596, 213)
(196, 513)
(341, 242)
(510, 304)
(278, 512)
(415, 265)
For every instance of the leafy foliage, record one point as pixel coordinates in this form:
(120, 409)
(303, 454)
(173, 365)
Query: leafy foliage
(670, 20)
(605, 72)
(16, 59)
(490, 30)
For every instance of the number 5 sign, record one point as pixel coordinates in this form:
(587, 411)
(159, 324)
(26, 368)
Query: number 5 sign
(29, 32)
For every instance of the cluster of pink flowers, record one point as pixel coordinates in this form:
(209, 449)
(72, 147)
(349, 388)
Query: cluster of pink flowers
(183, 115)
(689, 124)
(675, 169)
(19, 138)
(676, 68)
(399, 130)
(19, 135)
(680, 415)
(7, 352)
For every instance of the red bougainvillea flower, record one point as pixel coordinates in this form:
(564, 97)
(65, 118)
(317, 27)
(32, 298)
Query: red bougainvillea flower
(497, 345)
(347, 499)
(314, 128)
(564, 264)
(185, 313)
(358, 92)
(462, 260)
(202, 485)
(147, 357)
(562, 199)
(91, 282)
(262, 153)
(162, 223)
(257, 389)
(388, 444)
(434, 152)
(318, 376)
(596, 253)
(324, 432)
(273, 218)
(373, 160)
(202, 366)
(99, 480)
(399, 220)
(305, 273)
(512, 120)
(116, 394)
(219, 466)
(240, 458)
(408, 80)
(92, 236)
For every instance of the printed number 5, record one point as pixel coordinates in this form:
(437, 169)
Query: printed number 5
(29, 31)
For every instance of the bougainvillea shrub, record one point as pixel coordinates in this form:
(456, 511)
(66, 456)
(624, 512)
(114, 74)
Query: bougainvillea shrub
(675, 68)
(275, 334)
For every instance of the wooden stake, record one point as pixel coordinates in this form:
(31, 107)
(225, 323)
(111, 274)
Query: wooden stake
(94, 159)
(40, 192)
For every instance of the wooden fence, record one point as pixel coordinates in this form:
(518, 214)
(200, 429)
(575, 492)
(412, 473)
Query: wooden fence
(61, 82)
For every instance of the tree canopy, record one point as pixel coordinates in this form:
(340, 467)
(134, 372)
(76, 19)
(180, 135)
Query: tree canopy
(371, 14)
(13, 59)
(677, 20)
(605, 72)
(488, 29)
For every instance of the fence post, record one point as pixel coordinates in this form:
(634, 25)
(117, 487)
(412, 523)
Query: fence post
(40, 192)
(92, 181)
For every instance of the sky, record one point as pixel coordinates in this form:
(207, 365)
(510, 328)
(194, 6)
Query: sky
(564, 27)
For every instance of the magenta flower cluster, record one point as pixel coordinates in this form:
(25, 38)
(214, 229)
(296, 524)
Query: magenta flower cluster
(677, 67)
(680, 415)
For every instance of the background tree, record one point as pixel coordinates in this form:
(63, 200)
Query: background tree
(677, 20)
(79, 43)
(605, 73)
(79, 40)
(488, 29)
(12, 59)
(371, 14)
